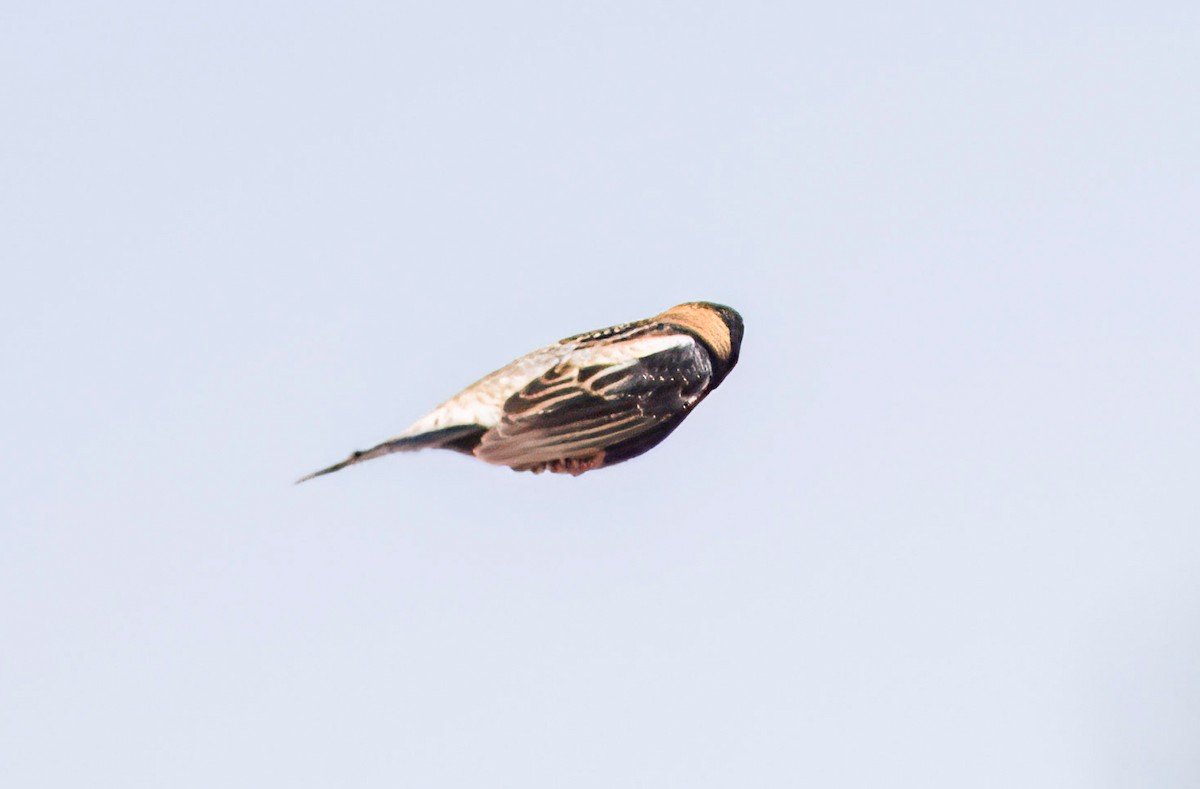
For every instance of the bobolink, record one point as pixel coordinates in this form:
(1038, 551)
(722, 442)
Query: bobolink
(588, 401)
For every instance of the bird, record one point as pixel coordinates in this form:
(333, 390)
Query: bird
(586, 402)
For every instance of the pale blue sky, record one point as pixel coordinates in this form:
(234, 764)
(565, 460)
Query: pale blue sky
(940, 528)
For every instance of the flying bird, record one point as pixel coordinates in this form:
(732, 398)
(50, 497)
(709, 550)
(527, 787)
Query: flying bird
(588, 401)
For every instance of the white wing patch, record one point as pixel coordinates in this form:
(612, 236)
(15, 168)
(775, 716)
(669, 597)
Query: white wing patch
(482, 403)
(629, 350)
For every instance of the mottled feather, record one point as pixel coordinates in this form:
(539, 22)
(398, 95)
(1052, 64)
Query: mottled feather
(589, 400)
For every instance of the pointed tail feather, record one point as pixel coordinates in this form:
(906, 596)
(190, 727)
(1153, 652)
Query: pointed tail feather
(357, 457)
(436, 438)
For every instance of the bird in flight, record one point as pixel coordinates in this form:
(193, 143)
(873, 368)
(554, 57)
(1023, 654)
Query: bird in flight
(588, 401)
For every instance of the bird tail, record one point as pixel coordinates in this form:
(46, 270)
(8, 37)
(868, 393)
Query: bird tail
(448, 436)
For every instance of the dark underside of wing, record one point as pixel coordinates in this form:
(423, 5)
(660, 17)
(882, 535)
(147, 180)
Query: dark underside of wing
(623, 409)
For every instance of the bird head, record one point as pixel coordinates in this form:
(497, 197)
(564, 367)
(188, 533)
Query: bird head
(718, 327)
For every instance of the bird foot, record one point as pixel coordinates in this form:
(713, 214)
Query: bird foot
(572, 466)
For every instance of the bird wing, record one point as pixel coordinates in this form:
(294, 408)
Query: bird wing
(598, 396)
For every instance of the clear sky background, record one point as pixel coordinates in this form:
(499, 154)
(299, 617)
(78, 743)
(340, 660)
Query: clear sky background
(941, 527)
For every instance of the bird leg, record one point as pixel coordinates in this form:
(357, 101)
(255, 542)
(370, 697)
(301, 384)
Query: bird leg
(576, 466)
(572, 466)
